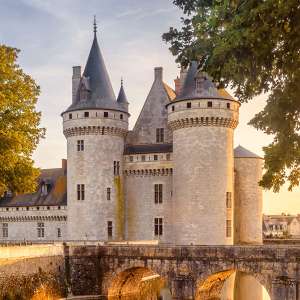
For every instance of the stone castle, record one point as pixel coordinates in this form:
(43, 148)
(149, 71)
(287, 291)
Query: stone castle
(174, 178)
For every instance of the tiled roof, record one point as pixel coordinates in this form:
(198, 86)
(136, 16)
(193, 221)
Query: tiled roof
(57, 195)
(170, 92)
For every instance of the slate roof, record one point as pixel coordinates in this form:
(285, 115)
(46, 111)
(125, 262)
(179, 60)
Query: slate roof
(97, 82)
(57, 195)
(148, 148)
(205, 89)
(241, 152)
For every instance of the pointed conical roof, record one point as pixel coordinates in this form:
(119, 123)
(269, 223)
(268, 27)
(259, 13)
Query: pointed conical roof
(205, 88)
(241, 152)
(122, 96)
(96, 78)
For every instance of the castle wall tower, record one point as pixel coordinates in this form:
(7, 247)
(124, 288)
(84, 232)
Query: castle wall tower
(95, 126)
(248, 197)
(203, 124)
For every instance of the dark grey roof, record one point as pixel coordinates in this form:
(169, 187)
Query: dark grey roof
(148, 148)
(205, 87)
(57, 195)
(241, 152)
(122, 96)
(96, 80)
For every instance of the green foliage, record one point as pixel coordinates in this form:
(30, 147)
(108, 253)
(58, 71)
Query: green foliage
(19, 125)
(253, 46)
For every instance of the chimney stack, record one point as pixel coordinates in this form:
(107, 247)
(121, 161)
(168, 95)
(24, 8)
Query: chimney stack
(177, 85)
(158, 73)
(75, 81)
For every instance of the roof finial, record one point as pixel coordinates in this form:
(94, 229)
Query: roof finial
(95, 25)
(121, 81)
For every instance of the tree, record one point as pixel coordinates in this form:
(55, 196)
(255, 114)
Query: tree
(19, 125)
(253, 46)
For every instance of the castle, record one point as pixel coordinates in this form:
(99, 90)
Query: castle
(175, 177)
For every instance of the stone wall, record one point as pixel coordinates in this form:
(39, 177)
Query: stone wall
(93, 167)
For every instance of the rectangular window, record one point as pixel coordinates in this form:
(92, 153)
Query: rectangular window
(155, 157)
(173, 108)
(168, 156)
(80, 192)
(80, 145)
(228, 105)
(86, 114)
(70, 116)
(228, 200)
(143, 157)
(40, 230)
(58, 232)
(158, 193)
(108, 193)
(121, 116)
(116, 168)
(189, 105)
(228, 228)
(5, 230)
(158, 227)
(160, 135)
(105, 114)
(131, 158)
(209, 104)
(109, 229)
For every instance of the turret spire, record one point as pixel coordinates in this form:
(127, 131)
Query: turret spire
(122, 96)
(95, 25)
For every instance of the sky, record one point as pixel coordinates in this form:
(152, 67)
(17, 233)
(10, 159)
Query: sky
(55, 35)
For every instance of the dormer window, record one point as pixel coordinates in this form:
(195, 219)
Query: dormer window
(45, 188)
(84, 92)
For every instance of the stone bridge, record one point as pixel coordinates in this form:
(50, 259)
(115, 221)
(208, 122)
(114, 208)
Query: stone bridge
(191, 272)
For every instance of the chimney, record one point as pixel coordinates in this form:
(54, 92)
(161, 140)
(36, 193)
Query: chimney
(158, 73)
(183, 73)
(64, 165)
(75, 81)
(177, 86)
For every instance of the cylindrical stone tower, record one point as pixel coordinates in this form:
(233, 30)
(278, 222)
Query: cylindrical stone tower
(248, 197)
(95, 126)
(203, 121)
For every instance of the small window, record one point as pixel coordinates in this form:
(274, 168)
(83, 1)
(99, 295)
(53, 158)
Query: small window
(108, 193)
(105, 114)
(58, 207)
(48, 207)
(143, 158)
(158, 193)
(158, 227)
(109, 229)
(173, 108)
(27, 208)
(155, 157)
(121, 116)
(160, 135)
(228, 228)
(116, 168)
(189, 105)
(5, 230)
(86, 114)
(17, 208)
(80, 192)
(7, 209)
(70, 116)
(228, 105)
(40, 230)
(168, 156)
(209, 104)
(228, 200)
(131, 158)
(58, 232)
(80, 145)
(38, 208)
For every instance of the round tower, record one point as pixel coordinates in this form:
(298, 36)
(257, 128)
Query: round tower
(248, 197)
(95, 126)
(203, 121)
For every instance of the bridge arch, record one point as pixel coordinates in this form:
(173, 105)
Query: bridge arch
(211, 286)
(136, 282)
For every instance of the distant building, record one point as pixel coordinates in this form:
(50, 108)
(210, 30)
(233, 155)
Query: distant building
(175, 177)
(281, 226)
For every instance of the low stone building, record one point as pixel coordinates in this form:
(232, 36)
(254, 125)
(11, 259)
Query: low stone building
(281, 226)
(175, 177)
